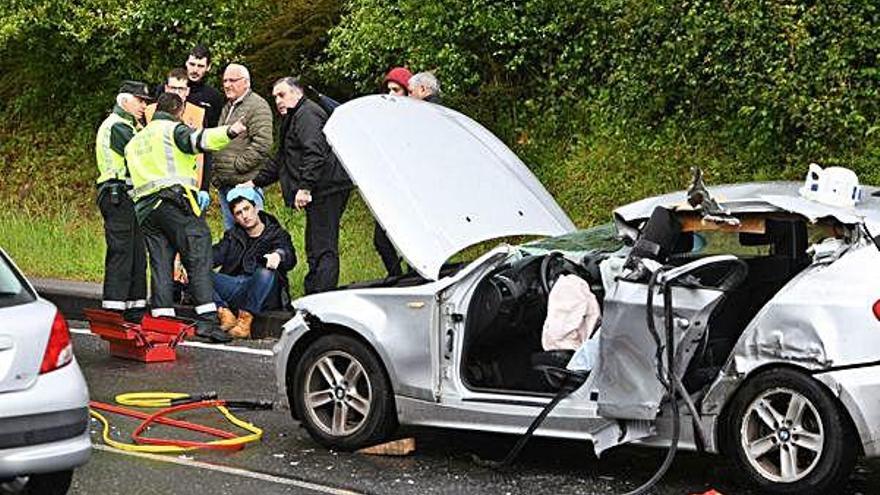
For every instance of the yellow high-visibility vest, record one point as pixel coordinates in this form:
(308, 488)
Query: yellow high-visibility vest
(111, 165)
(155, 162)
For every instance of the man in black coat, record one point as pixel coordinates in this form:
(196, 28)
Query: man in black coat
(254, 257)
(311, 178)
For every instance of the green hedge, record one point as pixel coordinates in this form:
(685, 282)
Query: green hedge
(785, 82)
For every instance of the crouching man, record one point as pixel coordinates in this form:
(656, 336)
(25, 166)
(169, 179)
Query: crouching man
(254, 257)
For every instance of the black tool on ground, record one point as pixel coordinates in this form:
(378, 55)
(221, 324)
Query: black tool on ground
(194, 398)
(252, 405)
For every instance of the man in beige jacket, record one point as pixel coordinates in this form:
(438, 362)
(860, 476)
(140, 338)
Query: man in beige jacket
(241, 160)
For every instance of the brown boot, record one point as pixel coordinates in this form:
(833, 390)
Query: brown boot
(227, 318)
(242, 329)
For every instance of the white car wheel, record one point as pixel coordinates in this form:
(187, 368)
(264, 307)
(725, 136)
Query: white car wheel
(342, 395)
(338, 393)
(790, 435)
(782, 435)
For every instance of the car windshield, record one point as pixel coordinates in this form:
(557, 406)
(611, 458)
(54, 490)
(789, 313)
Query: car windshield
(13, 290)
(602, 238)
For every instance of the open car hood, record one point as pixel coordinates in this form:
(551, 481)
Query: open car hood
(437, 181)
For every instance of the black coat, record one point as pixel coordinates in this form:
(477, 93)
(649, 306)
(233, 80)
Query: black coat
(304, 159)
(234, 258)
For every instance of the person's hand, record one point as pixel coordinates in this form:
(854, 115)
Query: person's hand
(272, 260)
(180, 274)
(237, 128)
(204, 200)
(303, 198)
(249, 183)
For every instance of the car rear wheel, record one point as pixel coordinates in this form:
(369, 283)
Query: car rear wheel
(342, 395)
(56, 483)
(790, 435)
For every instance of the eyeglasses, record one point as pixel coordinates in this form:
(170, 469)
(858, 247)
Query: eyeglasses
(178, 89)
(232, 79)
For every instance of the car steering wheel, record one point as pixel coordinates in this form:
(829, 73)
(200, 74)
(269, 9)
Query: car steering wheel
(553, 265)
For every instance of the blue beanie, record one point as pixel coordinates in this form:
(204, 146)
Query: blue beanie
(248, 193)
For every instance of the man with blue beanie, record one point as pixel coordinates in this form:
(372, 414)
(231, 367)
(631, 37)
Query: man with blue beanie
(254, 257)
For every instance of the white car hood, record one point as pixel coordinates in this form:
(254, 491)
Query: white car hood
(437, 181)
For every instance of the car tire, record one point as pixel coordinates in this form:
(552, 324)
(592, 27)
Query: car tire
(342, 395)
(57, 483)
(790, 434)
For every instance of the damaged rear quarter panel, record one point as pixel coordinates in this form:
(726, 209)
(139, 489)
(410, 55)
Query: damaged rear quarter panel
(822, 318)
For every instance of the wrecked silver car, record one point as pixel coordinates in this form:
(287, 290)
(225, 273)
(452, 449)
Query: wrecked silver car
(738, 319)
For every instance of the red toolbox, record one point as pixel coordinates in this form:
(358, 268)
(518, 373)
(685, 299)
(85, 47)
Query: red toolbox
(154, 340)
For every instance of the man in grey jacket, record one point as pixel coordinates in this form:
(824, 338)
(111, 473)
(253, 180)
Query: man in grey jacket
(241, 160)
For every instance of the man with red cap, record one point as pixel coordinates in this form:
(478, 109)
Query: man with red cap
(397, 81)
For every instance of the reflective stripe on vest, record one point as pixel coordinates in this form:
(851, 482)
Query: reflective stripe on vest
(111, 165)
(155, 162)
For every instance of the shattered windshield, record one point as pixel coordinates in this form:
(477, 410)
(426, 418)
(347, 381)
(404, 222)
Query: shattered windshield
(602, 238)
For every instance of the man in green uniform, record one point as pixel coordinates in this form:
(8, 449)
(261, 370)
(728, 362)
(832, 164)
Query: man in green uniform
(125, 264)
(168, 205)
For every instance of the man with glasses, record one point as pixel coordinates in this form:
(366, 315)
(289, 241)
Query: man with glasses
(177, 83)
(241, 160)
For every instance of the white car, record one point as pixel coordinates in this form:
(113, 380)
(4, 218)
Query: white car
(44, 400)
(758, 310)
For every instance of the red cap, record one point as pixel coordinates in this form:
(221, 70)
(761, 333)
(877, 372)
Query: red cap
(400, 75)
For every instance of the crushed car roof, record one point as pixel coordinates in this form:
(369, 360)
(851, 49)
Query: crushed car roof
(763, 197)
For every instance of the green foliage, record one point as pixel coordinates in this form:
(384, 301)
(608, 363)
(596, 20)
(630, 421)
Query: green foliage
(785, 81)
(291, 42)
(71, 57)
(606, 100)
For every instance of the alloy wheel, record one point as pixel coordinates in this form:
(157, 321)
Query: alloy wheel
(782, 435)
(338, 393)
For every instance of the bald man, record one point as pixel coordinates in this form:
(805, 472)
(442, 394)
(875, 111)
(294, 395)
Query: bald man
(241, 160)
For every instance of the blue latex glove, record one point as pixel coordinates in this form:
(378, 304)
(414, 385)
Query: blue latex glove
(204, 200)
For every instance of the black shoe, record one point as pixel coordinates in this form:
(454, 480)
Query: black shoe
(134, 315)
(208, 329)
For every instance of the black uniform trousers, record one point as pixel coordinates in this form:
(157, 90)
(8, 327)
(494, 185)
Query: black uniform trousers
(172, 228)
(386, 251)
(125, 264)
(322, 241)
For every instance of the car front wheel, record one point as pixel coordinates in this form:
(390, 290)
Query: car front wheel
(788, 433)
(342, 395)
(38, 484)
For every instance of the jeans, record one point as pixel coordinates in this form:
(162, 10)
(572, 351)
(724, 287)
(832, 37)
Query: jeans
(228, 219)
(246, 292)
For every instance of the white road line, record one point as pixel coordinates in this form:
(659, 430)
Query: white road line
(200, 345)
(231, 471)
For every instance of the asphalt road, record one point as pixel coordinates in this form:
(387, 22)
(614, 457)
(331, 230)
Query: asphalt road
(287, 461)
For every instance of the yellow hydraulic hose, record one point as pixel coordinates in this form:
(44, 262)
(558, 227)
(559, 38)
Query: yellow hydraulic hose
(164, 400)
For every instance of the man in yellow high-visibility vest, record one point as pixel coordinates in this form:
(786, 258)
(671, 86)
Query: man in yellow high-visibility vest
(125, 264)
(169, 205)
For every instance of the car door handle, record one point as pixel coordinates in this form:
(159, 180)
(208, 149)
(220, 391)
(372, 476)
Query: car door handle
(6, 343)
